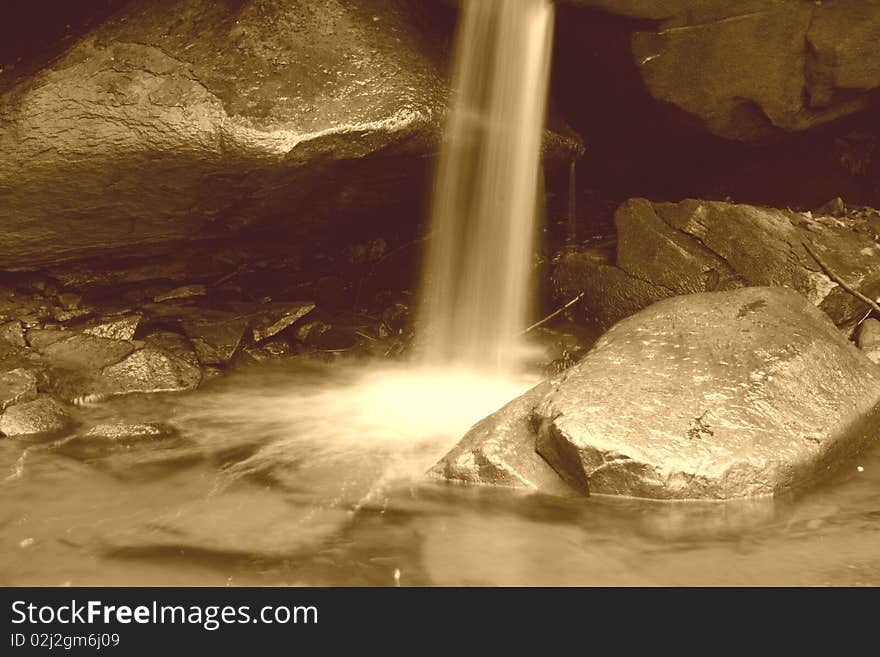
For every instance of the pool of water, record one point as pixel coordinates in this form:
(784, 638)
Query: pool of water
(312, 475)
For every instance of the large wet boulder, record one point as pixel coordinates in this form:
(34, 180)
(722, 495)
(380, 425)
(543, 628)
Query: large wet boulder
(751, 71)
(708, 396)
(192, 118)
(666, 249)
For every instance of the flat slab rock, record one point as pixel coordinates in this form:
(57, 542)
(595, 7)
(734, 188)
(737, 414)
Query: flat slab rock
(714, 396)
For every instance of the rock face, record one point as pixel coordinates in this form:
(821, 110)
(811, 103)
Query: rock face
(710, 396)
(170, 114)
(665, 249)
(749, 71)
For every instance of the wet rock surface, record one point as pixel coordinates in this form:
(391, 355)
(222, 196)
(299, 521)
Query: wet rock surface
(256, 109)
(43, 416)
(666, 249)
(709, 396)
(122, 432)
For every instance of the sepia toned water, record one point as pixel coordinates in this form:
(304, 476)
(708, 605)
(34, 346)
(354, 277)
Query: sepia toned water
(269, 482)
(476, 287)
(301, 473)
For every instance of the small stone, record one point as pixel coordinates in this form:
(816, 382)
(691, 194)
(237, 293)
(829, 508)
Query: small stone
(129, 432)
(13, 333)
(17, 386)
(215, 342)
(270, 327)
(122, 328)
(43, 416)
(151, 370)
(87, 352)
(184, 292)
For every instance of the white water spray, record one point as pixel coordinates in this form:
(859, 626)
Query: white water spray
(346, 438)
(476, 287)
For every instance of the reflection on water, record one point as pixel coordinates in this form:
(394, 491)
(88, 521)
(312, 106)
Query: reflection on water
(313, 476)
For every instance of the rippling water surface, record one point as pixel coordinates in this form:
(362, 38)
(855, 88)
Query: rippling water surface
(312, 475)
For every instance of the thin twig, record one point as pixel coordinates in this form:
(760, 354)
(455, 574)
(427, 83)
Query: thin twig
(555, 313)
(843, 284)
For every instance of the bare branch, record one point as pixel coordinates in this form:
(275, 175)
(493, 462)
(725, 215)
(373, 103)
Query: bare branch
(842, 283)
(555, 313)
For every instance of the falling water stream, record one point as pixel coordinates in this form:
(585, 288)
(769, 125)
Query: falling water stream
(477, 274)
(308, 473)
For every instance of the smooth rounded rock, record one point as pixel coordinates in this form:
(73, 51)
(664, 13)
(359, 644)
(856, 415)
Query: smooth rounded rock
(44, 416)
(712, 396)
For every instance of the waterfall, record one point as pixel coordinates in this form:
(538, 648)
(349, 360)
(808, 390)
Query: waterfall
(476, 290)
